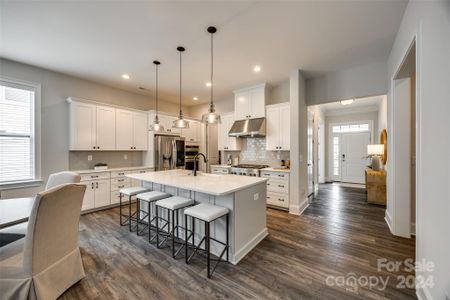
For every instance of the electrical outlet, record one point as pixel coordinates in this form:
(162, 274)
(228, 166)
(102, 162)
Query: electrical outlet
(125, 156)
(89, 157)
(256, 196)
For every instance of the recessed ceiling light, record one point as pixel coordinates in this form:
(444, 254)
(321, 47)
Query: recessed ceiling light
(256, 69)
(195, 98)
(125, 76)
(208, 84)
(347, 102)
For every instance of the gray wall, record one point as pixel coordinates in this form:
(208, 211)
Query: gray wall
(56, 87)
(429, 21)
(360, 81)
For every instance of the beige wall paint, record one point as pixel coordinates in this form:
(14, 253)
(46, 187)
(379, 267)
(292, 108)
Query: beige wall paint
(55, 88)
(382, 115)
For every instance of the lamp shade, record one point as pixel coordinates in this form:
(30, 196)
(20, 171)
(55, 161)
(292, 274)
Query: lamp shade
(375, 149)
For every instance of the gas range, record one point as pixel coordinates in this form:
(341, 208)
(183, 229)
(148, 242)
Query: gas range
(247, 169)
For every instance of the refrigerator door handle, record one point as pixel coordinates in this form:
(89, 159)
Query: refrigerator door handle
(174, 154)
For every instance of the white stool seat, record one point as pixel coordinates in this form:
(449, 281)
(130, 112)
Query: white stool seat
(206, 212)
(152, 196)
(134, 190)
(174, 202)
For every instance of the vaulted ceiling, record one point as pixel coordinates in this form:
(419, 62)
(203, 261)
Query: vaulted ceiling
(101, 40)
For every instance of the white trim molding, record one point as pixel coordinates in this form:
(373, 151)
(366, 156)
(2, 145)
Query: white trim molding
(299, 209)
(388, 219)
(248, 247)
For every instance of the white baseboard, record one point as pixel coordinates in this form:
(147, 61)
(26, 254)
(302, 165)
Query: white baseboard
(413, 228)
(241, 253)
(299, 209)
(388, 219)
(423, 293)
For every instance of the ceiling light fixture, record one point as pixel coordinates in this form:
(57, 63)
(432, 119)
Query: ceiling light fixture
(156, 127)
(180, 122)
(347, 102)
(257, 69)
(208, 84)
(195, 98)
(211, 117)
(125, 76)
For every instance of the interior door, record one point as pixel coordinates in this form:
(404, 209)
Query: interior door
(124, 129)
(354, 156)
(310, 153)
(106, 128)
(139, 131)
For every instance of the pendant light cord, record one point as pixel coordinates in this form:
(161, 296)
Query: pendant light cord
(181, 112)
(212, 71)
(156, 91)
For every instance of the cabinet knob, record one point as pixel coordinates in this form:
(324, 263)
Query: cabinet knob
(280, 185)
(96, 185)
(279, 199)
(93, 147)
(92, 185)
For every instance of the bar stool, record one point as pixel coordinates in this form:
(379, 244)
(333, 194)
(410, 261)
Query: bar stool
(148, 197)
(207, 213)
(130, 192)
(172, 205)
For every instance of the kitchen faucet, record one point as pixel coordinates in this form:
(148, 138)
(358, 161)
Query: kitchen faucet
(195, 162)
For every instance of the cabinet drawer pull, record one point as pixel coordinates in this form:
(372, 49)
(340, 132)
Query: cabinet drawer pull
(96, 185)
(280, 175)
(121, 173)
(94, 176)
(121, 180)
(281, 186)
(267, 197)
(268, 183)
(280, 199)
(121, 186)
(92, 185)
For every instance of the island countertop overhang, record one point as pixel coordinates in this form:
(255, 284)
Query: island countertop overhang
(212, 184)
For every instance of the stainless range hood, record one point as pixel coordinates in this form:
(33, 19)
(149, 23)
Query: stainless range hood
(249, 128)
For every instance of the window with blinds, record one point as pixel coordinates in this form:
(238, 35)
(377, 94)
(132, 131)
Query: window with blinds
(17, 139)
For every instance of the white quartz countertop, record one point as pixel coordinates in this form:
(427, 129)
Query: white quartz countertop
(111, 169)
(220, 166)
(276, 170)
(212, 184)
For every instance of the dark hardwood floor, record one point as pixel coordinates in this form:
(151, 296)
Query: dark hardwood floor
(338, 235)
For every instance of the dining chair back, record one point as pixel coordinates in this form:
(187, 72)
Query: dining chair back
(62, 178)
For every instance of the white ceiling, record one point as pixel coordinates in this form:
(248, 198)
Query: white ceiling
(100, 40)
(358, 106)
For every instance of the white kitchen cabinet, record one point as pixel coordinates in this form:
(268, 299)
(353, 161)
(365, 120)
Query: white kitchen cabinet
(106, 128)
(278, 127)
(97, 194)
(82, 126)
(167, 122)
(220, 170)
(250, 103)
(131, 131)
(226, 142)
(140, 135)
(192, 134)
(124, 129)
(277, 188)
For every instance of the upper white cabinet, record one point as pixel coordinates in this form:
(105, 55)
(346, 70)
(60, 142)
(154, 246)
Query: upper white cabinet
(226, 142)
(278, 127)
(250, 103)
(167, 122)
(131, 130)
(102, 127)
(192, 134)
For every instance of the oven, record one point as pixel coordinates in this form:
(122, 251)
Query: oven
(190, 152)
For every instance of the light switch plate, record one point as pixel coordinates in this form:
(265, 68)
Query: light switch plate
(125, 156)
(89, 157)
(256, 196)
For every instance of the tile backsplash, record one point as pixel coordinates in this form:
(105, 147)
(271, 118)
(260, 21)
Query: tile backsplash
(254, 152)
(78, 160)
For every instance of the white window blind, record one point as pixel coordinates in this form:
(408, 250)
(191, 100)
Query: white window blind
(17, 140)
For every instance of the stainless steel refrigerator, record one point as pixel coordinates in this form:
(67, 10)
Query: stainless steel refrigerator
(169, 152)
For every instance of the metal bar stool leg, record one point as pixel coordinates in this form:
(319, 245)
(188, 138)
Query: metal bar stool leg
(129, 212)
(228, 236)
(207, 244)
(173, 233)
(157, 227)
(186, 238)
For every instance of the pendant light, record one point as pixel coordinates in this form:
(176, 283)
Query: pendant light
(180, 122)
(156, 126)
(211, 117)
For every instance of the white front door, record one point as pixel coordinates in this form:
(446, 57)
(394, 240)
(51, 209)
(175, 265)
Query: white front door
(310, 153)
(354, 156)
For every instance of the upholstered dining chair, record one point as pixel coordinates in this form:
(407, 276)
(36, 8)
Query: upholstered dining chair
(19, 230)
(47, 261)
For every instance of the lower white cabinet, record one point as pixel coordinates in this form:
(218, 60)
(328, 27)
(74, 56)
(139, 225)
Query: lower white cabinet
(277, 188)
(102, 188)
(97, 194)
(220, 170)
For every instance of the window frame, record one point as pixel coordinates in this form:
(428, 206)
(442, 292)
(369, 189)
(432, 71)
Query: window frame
(36, 133)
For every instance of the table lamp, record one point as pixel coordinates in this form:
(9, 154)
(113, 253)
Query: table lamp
(375, 151)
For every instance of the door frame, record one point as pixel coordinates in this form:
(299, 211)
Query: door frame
(331, 177)
(321, 176)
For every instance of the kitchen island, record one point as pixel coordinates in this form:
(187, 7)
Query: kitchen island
(244, 196)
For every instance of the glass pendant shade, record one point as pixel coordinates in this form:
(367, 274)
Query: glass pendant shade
(211, 117)
(180, 122)
(156, 127)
